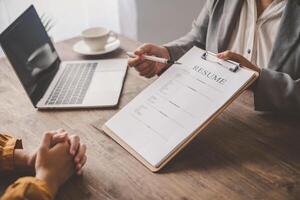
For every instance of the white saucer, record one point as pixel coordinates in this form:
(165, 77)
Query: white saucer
(81, 48)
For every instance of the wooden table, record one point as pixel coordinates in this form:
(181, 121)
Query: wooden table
(242, 155)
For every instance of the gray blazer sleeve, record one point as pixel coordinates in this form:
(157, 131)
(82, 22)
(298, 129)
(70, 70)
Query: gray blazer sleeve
(197, 36)
(277, 91)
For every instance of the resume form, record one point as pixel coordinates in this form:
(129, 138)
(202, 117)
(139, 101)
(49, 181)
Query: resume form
(163, 116)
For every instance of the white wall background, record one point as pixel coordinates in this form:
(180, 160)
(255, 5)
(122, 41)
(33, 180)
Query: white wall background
(70, 16)
(156, 21)
(161, 21)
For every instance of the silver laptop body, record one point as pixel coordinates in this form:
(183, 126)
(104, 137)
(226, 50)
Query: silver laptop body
(54, 84)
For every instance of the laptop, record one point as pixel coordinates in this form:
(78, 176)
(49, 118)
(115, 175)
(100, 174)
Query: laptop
(51, 83)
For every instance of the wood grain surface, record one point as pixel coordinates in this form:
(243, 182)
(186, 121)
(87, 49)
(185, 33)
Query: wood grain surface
(243, 154)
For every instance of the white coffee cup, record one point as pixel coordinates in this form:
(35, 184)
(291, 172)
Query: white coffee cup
(97, 38)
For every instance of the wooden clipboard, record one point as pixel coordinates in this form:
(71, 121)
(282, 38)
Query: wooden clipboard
(180, 147)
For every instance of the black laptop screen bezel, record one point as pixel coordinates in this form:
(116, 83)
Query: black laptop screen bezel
(47, 76)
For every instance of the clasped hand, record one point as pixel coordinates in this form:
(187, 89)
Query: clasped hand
(58, 157)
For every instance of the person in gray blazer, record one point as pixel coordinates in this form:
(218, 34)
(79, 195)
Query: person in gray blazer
(263, 35)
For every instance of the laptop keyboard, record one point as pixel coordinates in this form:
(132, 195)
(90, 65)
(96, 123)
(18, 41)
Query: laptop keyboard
(73, 84)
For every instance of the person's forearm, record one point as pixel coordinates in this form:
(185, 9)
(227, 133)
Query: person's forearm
(179, 47)
(22, 161)
(8, 145)
(277, 91)
(42, 175)
(28, 188)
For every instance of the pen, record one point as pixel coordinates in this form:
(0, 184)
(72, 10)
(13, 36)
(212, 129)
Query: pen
(154, 59)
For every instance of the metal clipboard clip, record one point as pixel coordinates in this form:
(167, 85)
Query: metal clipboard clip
(228, 64)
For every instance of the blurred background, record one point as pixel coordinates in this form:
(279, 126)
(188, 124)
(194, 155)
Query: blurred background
(156, 21)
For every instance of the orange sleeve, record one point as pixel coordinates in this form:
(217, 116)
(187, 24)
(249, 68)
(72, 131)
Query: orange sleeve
(27, 188)
(7, 146)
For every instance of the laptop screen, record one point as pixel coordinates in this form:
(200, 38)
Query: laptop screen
(31, 53)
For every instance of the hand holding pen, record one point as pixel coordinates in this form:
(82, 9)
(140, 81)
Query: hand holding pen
(150, 66)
